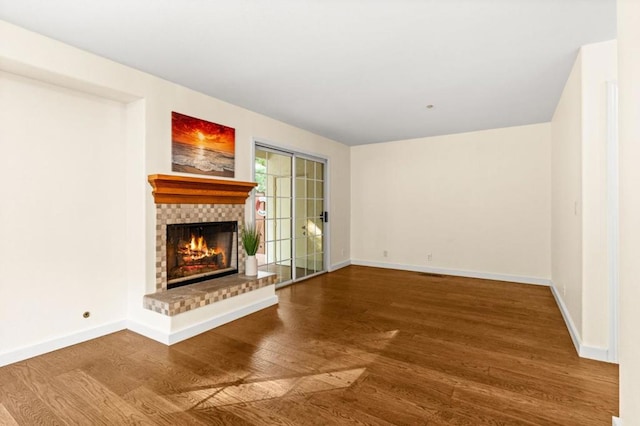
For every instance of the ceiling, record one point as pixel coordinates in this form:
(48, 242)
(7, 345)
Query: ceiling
(356, 71)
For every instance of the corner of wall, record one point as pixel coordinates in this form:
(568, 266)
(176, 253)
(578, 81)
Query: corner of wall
(583, 351)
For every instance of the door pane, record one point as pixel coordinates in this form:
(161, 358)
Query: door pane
(319, 189)
(309, 205)
(311, 189)
(310, 169)
(285, 251)
(273, 211)
(301, 251)
(301, 228)
(283, 207)
(301, 188)
(284, 229)
(284, 187)
(271, 207)
(301, 210)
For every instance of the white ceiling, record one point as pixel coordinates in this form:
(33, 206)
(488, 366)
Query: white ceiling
(356, 71)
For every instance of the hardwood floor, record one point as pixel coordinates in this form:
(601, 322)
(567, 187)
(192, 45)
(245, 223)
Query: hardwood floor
(357, 346)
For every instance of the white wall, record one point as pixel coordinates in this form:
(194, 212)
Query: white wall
(599, 65)
(477, 202)
(566, 195)
(579, 199)
(146, 129)
(62, 219)
(629, 104)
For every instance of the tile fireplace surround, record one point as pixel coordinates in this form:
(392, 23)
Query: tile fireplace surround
(182, 200)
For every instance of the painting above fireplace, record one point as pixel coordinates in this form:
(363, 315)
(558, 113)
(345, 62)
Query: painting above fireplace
(200, 251)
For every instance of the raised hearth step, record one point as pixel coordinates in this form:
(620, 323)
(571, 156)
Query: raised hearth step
(182, 299)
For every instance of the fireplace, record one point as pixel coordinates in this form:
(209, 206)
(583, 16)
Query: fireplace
(189, 202)
(200, 251)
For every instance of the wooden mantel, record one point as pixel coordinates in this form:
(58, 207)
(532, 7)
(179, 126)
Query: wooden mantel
(169, 189)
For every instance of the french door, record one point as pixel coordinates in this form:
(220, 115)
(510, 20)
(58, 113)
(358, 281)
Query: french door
(290, 212)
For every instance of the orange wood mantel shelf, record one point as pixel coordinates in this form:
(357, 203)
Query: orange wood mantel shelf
(169, 189)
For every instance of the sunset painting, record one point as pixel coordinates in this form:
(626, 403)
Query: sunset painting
(202, 147)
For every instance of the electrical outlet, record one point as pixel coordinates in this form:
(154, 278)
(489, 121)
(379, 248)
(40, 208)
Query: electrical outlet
(385, 253)
(429, 257)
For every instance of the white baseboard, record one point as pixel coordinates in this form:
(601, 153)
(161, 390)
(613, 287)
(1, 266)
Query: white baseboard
(146, 331)
(152, 333)
(455, 272)
(573, 331)
(339, 265)
(195, 329)
(615, 421)
(60, 342)
(595, 353)
(584, 351)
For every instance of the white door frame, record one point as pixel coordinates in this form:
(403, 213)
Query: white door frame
(613, 214)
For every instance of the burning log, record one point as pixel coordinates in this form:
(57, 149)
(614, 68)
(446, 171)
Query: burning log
(215, 259)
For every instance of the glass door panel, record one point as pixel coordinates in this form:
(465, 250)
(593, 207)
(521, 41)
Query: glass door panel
(273, 173)
(290, 212)
(309, 213)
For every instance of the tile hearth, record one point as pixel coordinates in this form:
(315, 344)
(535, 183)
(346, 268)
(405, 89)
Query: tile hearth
(182, 299)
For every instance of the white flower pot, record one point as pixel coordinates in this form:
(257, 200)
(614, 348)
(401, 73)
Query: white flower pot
(251, 266)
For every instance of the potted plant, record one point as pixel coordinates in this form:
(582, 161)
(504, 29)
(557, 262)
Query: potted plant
(250, 236)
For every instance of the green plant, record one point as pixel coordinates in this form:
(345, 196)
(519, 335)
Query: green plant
(250, 236)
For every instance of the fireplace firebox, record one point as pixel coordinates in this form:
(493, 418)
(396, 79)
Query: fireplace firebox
(200, 251)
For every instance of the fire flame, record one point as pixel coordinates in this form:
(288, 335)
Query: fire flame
(200, 245)
(197, 249)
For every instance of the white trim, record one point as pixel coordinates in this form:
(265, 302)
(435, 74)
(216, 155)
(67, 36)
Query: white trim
(457, 273)
(327, 225)
(573, 331)
(583, 351)
(211, 323)
(285, 149)
(194, 330)
(339, 265)
(60, 342)
(613, 212)
(615, 421)
(252, 197)
(595, 353)
(146, 331)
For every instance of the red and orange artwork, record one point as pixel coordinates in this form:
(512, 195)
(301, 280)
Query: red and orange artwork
(202, 147)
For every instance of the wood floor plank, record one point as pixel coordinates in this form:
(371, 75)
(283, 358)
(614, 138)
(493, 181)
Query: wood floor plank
(37, 376)
(199, 361)
(115, 372)
(25, 407)
(112, 408)
(159, 409)
(357, 346)
(382, 402)
(6, 418)
(217, 416)
(258, 417)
